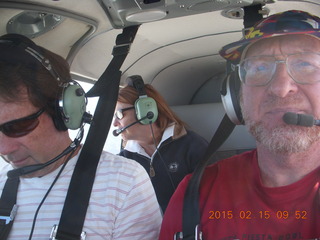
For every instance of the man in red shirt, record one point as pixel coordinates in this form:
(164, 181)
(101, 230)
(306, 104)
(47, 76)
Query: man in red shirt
(272, 192)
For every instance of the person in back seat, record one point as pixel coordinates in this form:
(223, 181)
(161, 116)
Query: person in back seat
(33, 132)
(272, 192)
(164, 147)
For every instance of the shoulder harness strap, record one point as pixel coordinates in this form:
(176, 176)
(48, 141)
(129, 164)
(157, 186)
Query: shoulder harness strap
(8, 207)
(77, 200)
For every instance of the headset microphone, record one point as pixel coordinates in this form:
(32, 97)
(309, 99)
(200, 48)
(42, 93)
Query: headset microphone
(33, 168)
(117, 132)
(15, 173)
(300, 119)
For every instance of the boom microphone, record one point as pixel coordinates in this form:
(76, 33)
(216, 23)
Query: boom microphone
(300, 119)
(117, 132)
(33, 168)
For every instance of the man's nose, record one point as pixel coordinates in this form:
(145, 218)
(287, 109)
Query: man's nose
(282, 83)
(7, 144)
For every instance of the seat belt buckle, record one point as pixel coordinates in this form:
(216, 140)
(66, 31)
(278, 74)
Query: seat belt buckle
(197, 235)
(178, 236)
(10, 218)
(54, 231)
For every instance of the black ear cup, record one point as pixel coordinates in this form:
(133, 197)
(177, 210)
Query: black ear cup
(230, 91)
(145, 107)
(57, 118)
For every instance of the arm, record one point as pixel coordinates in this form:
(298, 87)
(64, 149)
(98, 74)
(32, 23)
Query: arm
(139, 217)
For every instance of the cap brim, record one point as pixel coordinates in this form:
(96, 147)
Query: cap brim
(234, 51)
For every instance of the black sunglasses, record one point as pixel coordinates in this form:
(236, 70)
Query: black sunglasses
(119, 113)
(22, 126)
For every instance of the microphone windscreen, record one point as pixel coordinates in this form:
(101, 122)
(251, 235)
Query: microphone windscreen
(15, 173)
(115, 133)
(298, 119)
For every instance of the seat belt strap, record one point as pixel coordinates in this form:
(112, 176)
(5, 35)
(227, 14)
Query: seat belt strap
(78, 196)
(8, 207)
(191, 214)
(252, 14)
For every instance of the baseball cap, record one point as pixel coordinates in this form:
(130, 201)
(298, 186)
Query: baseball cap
(284, 23)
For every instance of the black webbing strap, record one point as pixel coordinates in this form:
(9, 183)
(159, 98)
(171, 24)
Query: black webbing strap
(191, 214)
(252, 14)
(107, 86)
(8, 206)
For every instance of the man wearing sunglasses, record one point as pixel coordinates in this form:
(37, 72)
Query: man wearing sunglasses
(122, 200)
(272, 192)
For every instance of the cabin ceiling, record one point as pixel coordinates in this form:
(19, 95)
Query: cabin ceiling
(172, 32)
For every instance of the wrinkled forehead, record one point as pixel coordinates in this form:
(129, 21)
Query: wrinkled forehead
(282, 45)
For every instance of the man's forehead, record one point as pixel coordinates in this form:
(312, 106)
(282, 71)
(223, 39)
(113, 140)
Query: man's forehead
(14, 110)
(291, 43)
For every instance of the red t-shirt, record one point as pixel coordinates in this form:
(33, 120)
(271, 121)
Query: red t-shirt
(235, 205)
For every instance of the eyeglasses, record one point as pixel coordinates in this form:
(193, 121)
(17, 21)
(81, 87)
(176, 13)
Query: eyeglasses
(119, 113)
(22, 126)
(304, 68)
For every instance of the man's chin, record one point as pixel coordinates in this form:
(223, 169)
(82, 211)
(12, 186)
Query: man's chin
(20, 163)
(285, 138)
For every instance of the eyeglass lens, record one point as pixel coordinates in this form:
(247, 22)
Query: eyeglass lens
(304, 68)
(21, 127)
(119, 113)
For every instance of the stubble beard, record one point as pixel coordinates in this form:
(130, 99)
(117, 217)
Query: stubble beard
(284, 139)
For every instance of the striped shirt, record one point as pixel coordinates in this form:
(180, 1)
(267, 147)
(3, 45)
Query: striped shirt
(123, 204)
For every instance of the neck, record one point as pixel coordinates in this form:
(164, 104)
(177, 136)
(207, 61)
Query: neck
(149, 141)
(284, 169)
(149, 149)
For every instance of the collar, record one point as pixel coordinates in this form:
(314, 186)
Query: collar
(173, 131)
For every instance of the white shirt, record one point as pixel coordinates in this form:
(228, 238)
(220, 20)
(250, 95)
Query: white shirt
(134, 146)
(123, 204)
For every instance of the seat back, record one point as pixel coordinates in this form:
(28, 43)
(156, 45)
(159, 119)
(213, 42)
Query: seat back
(205, 119)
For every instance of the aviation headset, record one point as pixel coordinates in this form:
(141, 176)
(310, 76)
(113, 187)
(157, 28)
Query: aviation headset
(230, 96)
(70, 106)
(144, 106)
